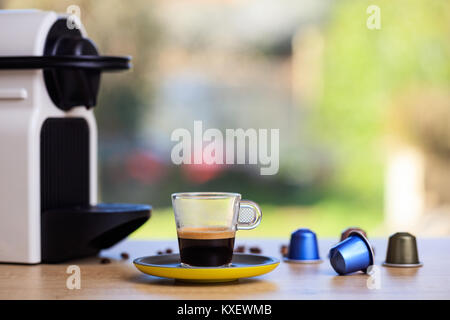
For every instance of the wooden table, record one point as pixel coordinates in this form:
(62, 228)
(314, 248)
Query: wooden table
(120, 280)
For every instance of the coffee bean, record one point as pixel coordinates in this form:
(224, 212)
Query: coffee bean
(240, 249)
(255, 250)
(159, 252)
(168, 250)
(105, 261)
(124, 256)
(284, 250)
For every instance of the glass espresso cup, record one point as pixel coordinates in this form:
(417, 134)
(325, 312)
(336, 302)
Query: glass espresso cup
(207, 223)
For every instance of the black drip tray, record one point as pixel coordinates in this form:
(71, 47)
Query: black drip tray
(75, 232)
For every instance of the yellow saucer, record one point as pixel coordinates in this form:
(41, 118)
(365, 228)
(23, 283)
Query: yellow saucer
(242, 266)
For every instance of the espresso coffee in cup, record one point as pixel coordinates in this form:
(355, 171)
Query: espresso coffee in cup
(206, 247)
(206, 226)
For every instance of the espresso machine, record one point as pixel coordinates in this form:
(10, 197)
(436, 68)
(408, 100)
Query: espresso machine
(49, 79)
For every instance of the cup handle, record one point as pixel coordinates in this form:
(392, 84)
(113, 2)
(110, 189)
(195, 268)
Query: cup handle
(249, 215)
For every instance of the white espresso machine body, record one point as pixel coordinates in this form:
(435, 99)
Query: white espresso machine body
(25, 106)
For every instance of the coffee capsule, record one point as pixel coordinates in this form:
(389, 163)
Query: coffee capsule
(402, 251)
(303, 247)
(351, 255)
(346, 232)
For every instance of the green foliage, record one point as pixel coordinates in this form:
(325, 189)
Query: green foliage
(364, 69)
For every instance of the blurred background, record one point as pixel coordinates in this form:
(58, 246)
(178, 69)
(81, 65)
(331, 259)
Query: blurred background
(364, 115)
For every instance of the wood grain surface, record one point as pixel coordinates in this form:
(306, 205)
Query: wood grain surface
(119, 279)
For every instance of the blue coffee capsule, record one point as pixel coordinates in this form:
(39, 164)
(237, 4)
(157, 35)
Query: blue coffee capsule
(352, 254)
(303, 247)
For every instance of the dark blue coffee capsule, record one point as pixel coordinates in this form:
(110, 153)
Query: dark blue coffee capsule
(303, 247)
(352, 254)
